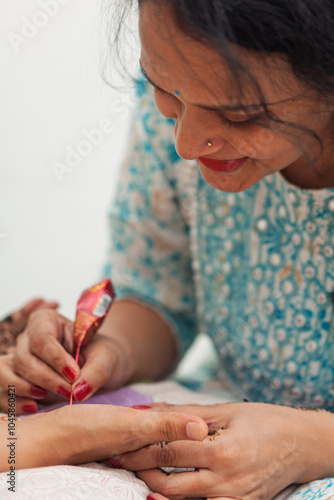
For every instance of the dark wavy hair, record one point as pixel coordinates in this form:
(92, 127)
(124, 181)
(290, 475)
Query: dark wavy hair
(301, 31)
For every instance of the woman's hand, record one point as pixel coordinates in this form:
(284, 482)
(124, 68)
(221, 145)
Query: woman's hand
(15, 323)
(254, 452)
(10, 328)
(42, 365)
(25, 368)
(82, 433)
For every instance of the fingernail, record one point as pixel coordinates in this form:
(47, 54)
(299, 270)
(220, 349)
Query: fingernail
(69, 373)
(63, 391)
(150, 498)
(194, 431)
(81, 390)
(38, 392)
(29, 408)
(115, 464)
(141, 407)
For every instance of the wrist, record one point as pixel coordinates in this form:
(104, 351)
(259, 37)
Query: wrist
(319, 449)
(62, 437)
(123, 362)
(145, 338)
(42, 441)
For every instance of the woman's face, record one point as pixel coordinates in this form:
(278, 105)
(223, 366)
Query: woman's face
(198, 92)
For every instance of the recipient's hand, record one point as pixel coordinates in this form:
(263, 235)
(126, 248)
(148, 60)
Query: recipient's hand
(256, 451)
(15, 323)
(10, 328)
(42, 362)
(82, 433)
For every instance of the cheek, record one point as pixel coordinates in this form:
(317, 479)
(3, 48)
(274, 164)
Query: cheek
(262, 143)
(256, 143)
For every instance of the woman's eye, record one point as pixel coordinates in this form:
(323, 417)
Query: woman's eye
(233, 124)
(226, 121)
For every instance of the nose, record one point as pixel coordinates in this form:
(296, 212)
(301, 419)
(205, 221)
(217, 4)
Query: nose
(193, 136)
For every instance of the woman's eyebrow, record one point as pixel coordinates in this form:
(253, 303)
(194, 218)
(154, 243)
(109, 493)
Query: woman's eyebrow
(145, 75)
(223, 107)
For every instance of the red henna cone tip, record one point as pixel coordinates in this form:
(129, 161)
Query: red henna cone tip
(141, 407)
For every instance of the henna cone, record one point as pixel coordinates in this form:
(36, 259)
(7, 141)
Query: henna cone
(92, 308)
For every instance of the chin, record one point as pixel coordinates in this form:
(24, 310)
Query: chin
(228, 183)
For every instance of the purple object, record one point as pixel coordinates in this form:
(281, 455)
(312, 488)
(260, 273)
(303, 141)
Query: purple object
(121, 397)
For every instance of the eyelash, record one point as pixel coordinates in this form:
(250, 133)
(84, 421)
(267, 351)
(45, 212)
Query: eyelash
(230, 123)
(226, 121)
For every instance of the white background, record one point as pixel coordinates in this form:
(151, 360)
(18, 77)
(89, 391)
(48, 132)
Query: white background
(53, 235)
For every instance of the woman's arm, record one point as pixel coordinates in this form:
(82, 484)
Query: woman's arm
(82, 433)
(145, 338)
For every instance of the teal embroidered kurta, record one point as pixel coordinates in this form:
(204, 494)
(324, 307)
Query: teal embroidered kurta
(253, 270)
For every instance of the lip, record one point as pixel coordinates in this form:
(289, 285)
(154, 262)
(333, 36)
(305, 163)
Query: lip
(223, 165)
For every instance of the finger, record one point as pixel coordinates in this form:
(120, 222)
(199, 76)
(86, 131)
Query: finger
(162, 406)
(96, 370)
(148, 428)
(46, 330)
(68, 336)
(191, 408)
(37, 373)
(23, 406)
(25, 311)
(48, 305)
(9, 377)
(157, 427)
(183, 454)
(183, 485)
(216, 416)
(14, 324)
(11, 384)
(38, 303)
(19, 318)
(17, 321)
(179, 454)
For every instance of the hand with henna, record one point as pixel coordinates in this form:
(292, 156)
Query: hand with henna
(43, 369)
(10, 328)
(15, 323)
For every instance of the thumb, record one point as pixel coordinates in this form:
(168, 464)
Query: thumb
(99, 364)
(157, 427)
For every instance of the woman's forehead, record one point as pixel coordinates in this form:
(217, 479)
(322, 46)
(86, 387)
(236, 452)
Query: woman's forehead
(177, 61)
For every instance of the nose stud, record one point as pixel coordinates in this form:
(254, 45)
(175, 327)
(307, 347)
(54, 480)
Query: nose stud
(209, 144)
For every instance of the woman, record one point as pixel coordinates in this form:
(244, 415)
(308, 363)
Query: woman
(243, 251)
